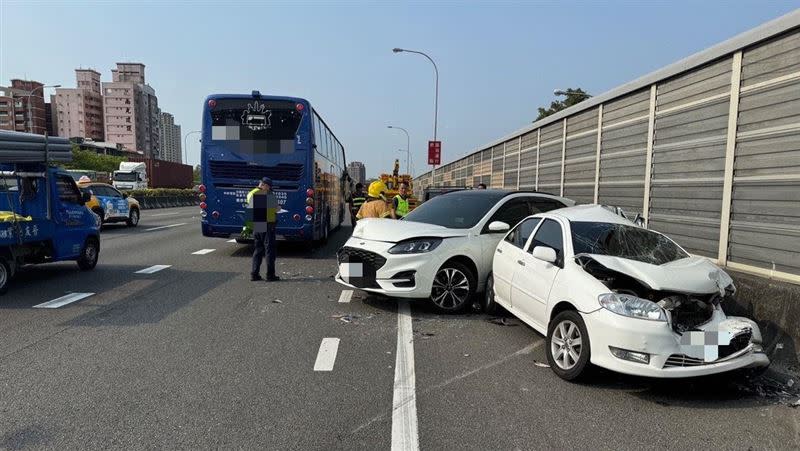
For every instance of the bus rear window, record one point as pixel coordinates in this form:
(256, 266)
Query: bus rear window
(256, 126)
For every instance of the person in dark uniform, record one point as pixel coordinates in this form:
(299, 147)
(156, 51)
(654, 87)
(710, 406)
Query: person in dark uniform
(263, 206)
(356, 200)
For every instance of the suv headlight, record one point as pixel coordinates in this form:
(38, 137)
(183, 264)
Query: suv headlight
(416, 246)
(632, 306)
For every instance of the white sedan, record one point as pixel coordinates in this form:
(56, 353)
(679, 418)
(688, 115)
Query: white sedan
(442, 250)
(608, 292)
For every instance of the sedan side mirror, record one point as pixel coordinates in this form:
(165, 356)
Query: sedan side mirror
(544, 253)
(124, 195)
(499, 226)
(638, 220)
(85, 198)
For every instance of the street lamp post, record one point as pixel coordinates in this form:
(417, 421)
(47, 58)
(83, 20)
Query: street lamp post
(408, 146)
(30, 110)
(436, 98)
(185, 148)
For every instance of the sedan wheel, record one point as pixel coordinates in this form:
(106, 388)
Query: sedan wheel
(453, 286)
(568, 345)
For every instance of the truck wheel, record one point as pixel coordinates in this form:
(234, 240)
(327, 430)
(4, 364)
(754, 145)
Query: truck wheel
(89, 254)
(133, 218)
(5, 276)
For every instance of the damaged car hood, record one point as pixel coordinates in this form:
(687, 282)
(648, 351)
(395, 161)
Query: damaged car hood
(393, 231)
(687, 275)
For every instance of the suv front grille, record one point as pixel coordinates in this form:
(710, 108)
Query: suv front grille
(369, 262)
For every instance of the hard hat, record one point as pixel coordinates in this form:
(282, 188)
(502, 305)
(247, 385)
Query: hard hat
(84, 179)
(376, 188)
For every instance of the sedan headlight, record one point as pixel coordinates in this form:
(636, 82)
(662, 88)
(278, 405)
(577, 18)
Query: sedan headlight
(416, 246)
(632, 306)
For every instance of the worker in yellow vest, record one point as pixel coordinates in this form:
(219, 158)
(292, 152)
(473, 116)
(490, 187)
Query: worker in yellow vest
(356, 200)
(400, 201)
(262, 205)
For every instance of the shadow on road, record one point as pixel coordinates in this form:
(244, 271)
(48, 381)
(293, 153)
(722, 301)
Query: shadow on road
(297, 250)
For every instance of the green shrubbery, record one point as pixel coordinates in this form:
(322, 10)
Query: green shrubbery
(162, 192)
(88, 160)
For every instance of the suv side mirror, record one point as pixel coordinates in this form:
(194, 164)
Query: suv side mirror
(543, 253)
(499, 226)
(85, 198)
(124, 195)
(638, 220)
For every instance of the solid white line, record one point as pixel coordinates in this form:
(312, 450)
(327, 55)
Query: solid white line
(405, 435)
(164, 214)
(346, 296)
(64, 300)
(326, 356)
(165, 227)
(152, 269)
(203, 251)
(231, 241)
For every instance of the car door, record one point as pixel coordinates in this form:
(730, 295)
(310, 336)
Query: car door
(121, 208)
(533, 278)
(509, 250)
(69, 215)
(512, 211)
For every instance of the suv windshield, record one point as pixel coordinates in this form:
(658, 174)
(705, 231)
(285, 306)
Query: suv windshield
(458, 210)
(624, 241)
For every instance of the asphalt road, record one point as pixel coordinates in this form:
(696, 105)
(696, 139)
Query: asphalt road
(197, 356)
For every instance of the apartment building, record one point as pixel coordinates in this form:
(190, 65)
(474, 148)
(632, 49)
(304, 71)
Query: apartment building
(131, 110)
(79, 110)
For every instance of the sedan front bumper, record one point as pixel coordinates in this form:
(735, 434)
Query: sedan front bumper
(669, 354)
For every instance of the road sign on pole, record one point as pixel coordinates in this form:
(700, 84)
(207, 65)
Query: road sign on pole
(434, 152)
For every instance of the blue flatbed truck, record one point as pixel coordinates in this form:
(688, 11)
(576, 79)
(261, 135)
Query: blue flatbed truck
(43, 217)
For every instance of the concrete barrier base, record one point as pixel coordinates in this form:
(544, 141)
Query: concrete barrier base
(775, 306)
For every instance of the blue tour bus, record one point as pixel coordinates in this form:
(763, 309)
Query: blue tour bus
(247, 137)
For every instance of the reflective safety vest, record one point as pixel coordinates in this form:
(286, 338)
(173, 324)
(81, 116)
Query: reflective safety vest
(402, 206)
(270, 207)
(357, 202)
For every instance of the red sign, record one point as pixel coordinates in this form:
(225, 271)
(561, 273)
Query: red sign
(434, 152)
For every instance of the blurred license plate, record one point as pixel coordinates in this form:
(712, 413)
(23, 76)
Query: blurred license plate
(351, 270)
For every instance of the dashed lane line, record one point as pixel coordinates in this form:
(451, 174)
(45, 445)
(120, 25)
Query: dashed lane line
(164, 214)
(152, 269)
(405, 435)
(231, 241)
(203, 251)
(326, 356)
(346, 296)
(153, 229)
(64, 300)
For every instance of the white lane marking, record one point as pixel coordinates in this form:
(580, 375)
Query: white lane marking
(203, 251)
(165, 227)
(346, 296)
(326, 356)
(64, 300)
(164, 214)
(152, 269)
(405, 435)
(231, 241)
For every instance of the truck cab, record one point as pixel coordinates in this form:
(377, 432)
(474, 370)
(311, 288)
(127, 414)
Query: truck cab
(131, 175)
(43, 216)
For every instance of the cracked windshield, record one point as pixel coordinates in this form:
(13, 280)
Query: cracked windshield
(209, 224)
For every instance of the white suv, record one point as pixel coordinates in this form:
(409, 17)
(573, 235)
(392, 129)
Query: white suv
(442, 250)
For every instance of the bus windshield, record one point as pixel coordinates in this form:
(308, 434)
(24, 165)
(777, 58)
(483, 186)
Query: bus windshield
(256, 126)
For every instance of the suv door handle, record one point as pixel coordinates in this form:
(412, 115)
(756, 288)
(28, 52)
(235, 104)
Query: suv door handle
(520, 262)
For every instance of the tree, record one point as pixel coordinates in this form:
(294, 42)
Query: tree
(573, 97)
(91, 161)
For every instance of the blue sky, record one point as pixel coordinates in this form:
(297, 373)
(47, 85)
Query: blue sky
(497, 61)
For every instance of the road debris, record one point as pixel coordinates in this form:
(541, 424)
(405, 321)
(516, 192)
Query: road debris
(466, 355)
(795, 404)
(424, 335)
(540, 364)
(277, 301)
(503, 321)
